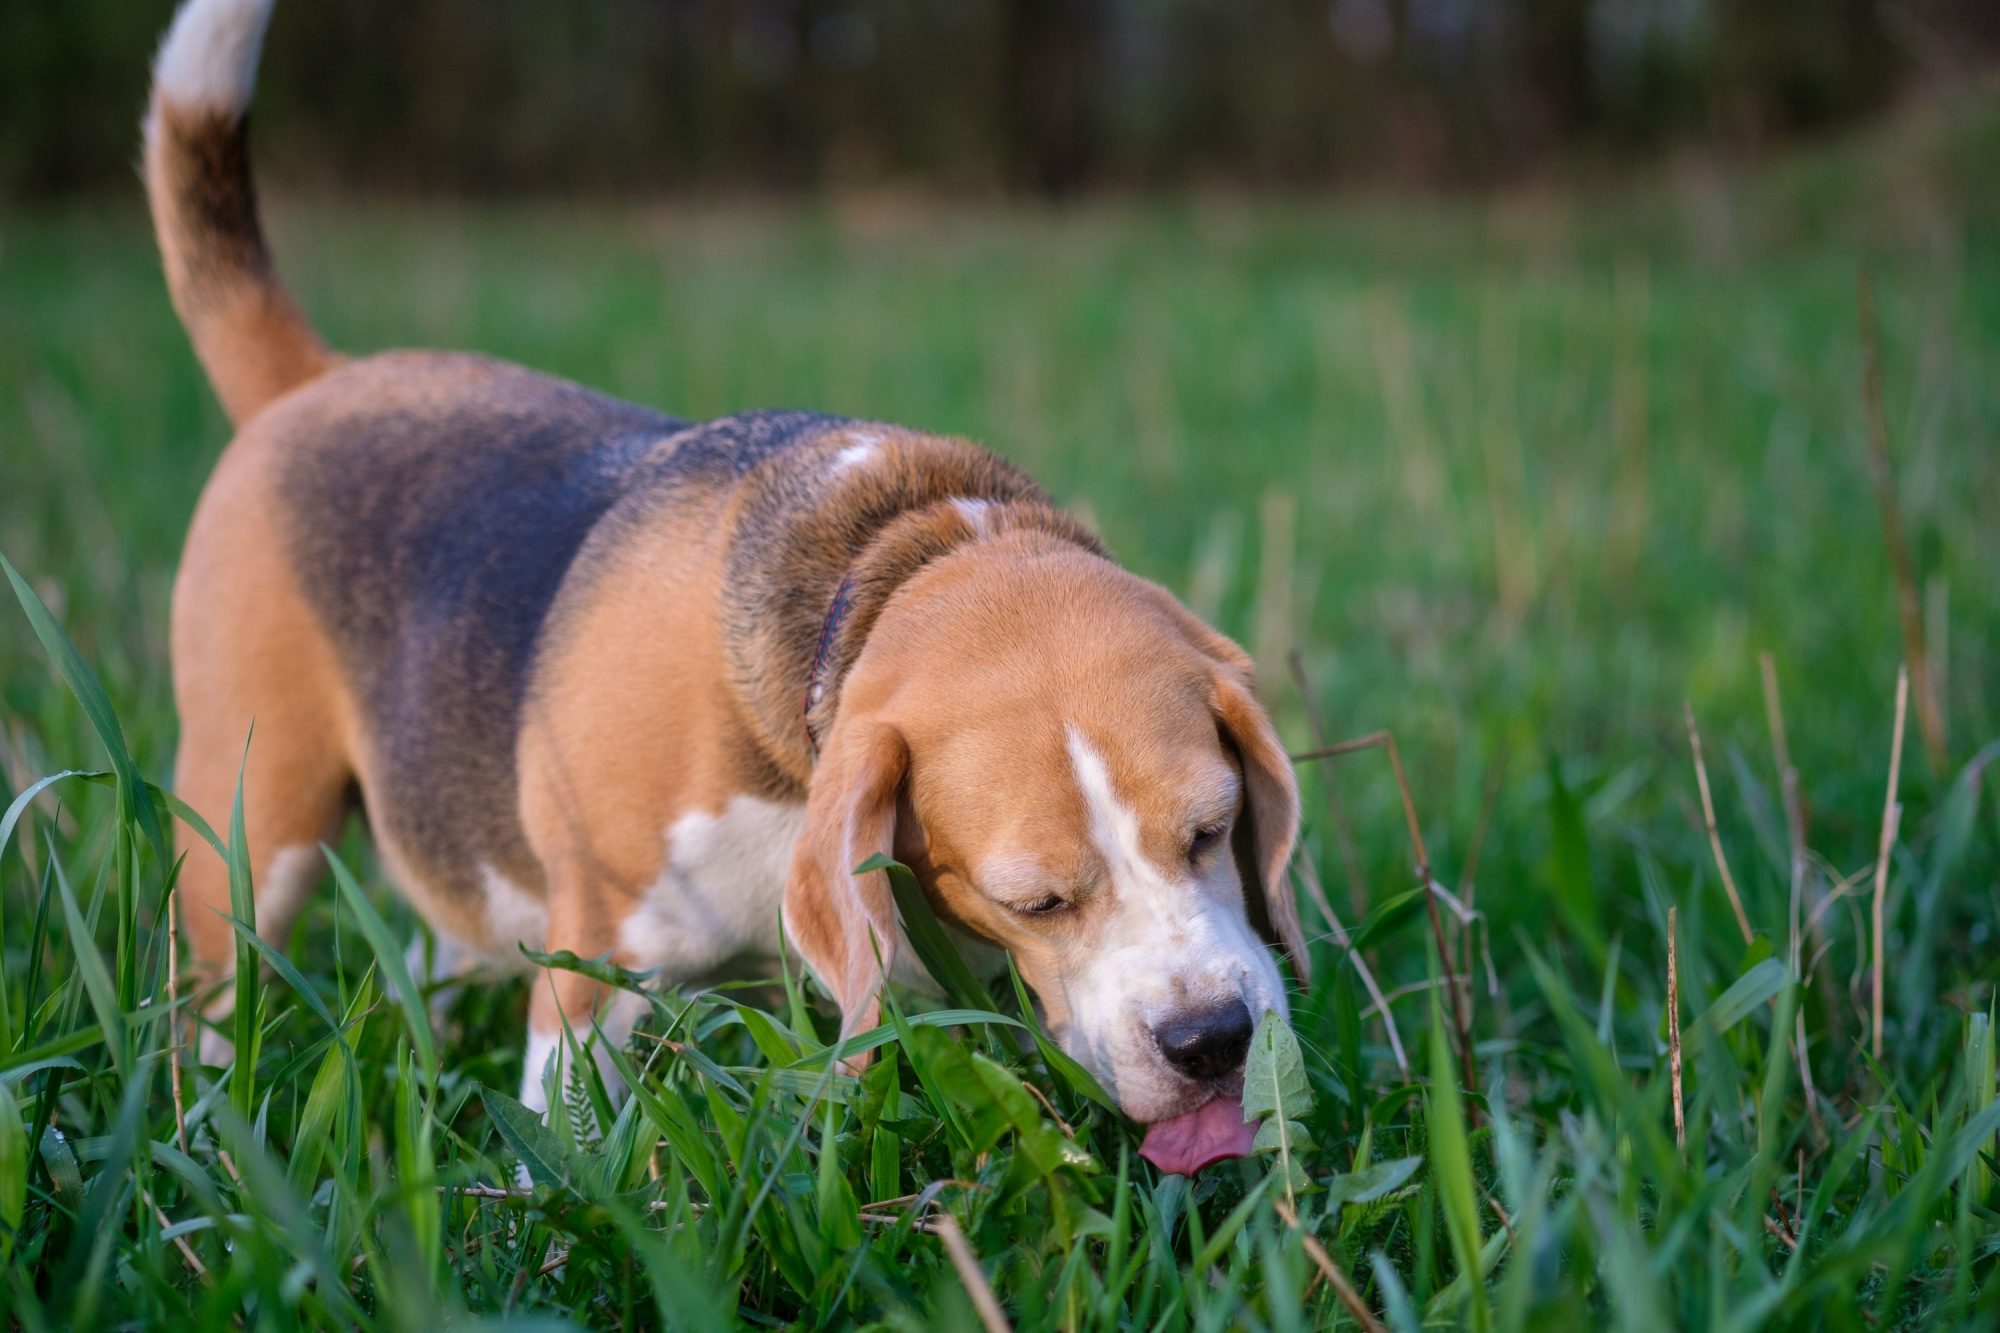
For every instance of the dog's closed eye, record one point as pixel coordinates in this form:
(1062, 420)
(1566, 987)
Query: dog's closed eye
(1045, 906)
(1206, 840)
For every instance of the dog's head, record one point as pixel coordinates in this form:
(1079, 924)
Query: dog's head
(1079, 772)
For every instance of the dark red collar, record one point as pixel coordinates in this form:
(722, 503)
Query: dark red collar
(821, 675)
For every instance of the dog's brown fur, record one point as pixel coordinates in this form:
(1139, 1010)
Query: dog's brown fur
(538, 631)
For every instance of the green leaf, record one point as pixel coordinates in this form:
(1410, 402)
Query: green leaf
(1743, 998)
(1451, 1164)
(1059, 1061)
(926, 935)
(1276, 1135)
(1384, 920)
(600, 968)
(248, 981)
(19, 806)
(65, 1177)
(1274, 1074)
(316, 1121)
(1371, 1183)
(1276, 1091)
(289, 972)
(13, 1170)
(685, 1135)
(541, 1152)
(1225, 1233)
(96, 974)
(134, 796)
(1040, 1142)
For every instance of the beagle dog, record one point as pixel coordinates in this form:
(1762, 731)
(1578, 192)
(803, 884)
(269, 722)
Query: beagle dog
(608, 681)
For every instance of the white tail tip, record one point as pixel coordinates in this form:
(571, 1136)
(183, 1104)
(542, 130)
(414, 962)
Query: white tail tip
(208, 59)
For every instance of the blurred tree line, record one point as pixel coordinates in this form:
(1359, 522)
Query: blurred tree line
(1032, 96)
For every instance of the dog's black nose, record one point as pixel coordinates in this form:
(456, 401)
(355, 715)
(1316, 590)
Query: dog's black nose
(1207, 1044)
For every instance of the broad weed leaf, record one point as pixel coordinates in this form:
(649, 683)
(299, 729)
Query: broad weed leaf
(1275, 1090)
(543, 1154)
(1274, 1077)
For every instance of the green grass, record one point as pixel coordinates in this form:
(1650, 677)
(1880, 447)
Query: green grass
(1515, 480)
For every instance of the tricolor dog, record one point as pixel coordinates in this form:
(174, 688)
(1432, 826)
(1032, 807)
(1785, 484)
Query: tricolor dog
(613, 682)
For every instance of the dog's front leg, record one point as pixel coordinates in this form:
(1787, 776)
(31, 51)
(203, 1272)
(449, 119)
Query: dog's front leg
(569, 1012)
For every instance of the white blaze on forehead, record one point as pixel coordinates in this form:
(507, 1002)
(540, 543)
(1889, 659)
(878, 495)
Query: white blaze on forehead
(1172, 937)
(1114, 825)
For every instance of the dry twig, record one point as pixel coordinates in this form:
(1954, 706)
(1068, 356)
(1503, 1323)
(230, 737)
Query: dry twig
(1674, 1026)
(1892, 815)
(1795, 839)
(1930, 716)
(1050, 1107)
(1461, 1000)
(1794, 804)
(194, 1263)
(969, 1272)
(1367, 975)
(1342, 1288)
(1708, 818)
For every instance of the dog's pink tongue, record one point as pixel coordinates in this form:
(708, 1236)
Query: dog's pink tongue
(1211, 1133)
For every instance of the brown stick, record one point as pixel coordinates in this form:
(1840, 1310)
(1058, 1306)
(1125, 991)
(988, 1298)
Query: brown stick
(1795, 837)
(1674, 1026)
(194, 1262)
(1335, 1278)
(1374, 740)
(967, 1264)
(1460, 1015)
(1336, 810)
(1708, 817)
(1891, 817)
(1930, 716)
(1794, 801)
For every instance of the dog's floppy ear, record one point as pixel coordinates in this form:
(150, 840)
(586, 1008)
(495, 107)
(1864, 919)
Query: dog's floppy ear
(1270, 825)
(844, 924)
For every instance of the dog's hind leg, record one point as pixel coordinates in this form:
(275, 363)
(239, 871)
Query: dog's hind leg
(251, 665)
(436, 961)
(292, 800)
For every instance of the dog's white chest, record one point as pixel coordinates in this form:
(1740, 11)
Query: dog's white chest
(719, 894)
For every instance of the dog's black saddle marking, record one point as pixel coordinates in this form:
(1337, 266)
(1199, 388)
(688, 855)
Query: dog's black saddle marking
(433, 544)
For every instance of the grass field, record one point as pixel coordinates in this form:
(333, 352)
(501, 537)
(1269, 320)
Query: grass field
(1513, 481)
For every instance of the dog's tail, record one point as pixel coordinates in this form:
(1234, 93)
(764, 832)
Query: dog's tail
(250, 337)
